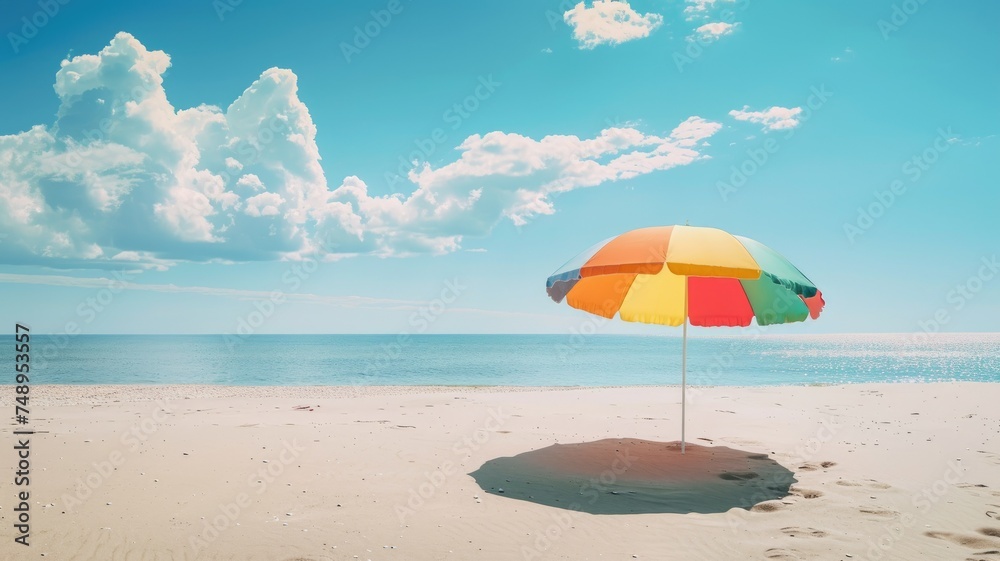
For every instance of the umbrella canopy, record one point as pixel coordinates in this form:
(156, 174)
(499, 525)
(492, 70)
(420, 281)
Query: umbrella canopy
(647, 274)
(673, 275)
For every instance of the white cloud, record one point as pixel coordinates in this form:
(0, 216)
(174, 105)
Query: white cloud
(699, 5)
(264, 204)
(701, 8)
(122, 172)
(131, 178)
(714, 30)
(773, 118)
(609, 22)
(509, 176)
(252, 181)
(847, 52)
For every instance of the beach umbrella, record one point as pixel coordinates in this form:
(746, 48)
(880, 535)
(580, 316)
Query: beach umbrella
(675, 275)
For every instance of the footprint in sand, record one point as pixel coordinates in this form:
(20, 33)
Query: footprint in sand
(767, 506)
(784, 554)
(992, 555)
(979, 489)
(991, 540)
(805, 493)
(742, 441)
(869, 483)
(990, 456)
(879, 512)
(814, 467)
(795, 531)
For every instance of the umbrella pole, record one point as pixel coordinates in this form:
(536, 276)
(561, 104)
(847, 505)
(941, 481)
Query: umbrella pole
(684, 346)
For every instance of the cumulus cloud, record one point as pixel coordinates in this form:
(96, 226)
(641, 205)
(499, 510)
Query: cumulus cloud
(609, 22)
(712, 31)
(123, 175)
(264, 204)
(773, 118)
(250, 180)
(122, 172)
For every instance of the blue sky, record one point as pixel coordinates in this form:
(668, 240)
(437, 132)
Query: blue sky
(206, 155)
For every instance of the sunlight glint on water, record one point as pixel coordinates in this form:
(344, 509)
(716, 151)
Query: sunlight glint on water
(537, 360)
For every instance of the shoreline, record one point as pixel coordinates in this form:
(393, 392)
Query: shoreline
(143, 392)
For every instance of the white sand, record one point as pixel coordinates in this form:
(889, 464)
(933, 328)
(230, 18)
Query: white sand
(883, 472)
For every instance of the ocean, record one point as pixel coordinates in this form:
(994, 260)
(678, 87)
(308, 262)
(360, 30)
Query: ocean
(507, 360)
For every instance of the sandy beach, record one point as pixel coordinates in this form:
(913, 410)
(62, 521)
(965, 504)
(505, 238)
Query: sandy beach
(875, 471)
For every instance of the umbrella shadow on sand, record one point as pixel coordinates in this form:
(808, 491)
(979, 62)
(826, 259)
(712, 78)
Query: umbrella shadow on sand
(632, 476)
